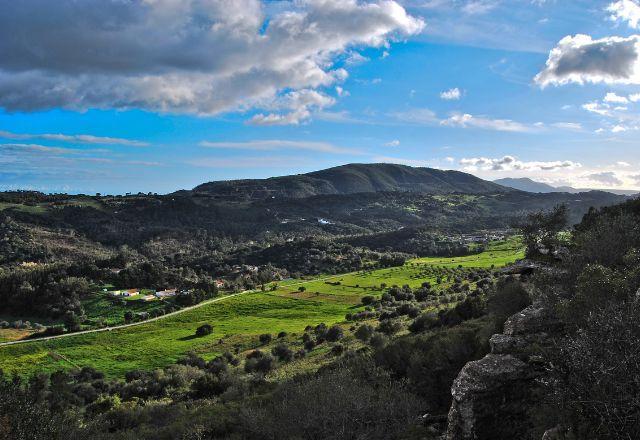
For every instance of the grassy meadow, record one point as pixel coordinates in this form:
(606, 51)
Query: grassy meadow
(237, 320)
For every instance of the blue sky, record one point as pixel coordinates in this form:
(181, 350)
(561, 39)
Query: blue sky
(161, 95)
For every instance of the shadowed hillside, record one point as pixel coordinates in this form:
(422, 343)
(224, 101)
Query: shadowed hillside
(350, 179)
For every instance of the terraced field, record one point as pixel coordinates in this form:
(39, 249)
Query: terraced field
(237, 321)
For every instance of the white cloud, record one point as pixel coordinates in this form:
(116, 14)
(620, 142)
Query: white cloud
(451, 94)
(74, 138)
(401, 161)
(342, 92)
(275, 145)
(635, 97)
(393, 143)
(299, 102)
(617, 99)
(425, 116)
(476, 7)
(598, 108)
(510, 163)
(605, 177)
(580, 59)
(191, 56)
(417, 116)
(623, 164)
(626, 10)
(355, 58)
(469, 121)
(568, 125)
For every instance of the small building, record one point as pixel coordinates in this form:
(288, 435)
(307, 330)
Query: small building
(219, 284)
(166, 293)
(132, 292)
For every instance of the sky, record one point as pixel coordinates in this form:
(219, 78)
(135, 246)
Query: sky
(116, 96)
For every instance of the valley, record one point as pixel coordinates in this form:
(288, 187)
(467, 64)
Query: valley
(239, 319)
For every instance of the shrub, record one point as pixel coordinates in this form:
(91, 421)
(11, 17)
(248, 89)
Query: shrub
(389, 327)
(334, 333)
(510, 297)
(364, 332)
(282, 352)
(265, 338)
(258, 362)
(204, 330)
(367, 300)
(426, 321)
(282, 335)
(596, 374)
(378, 340)
(337, 349)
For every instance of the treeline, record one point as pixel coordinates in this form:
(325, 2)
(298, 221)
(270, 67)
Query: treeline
(417, 241)
(313, 256)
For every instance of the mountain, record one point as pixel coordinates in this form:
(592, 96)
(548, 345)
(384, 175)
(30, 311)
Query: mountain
(351, 179)
(526, 184)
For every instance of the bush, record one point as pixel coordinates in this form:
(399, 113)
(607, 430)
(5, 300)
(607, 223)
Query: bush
(204, 330)
(282, 352)
(378, 340)
(335, 333)
(389, 327)
(510, 297)
(350, 402)
(596, 374)
(337, 349)
(282, 335)
(426, 321)
(367, 300)
(258, 362)
(364, 332)
(309, 345)
(265, 338)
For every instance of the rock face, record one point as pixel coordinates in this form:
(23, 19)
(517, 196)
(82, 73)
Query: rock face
(493, 397)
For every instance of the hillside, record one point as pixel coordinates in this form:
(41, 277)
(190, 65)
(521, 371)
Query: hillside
(526, 184)
(350, 179)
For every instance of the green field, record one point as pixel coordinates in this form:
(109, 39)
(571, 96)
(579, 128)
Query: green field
(237, 321)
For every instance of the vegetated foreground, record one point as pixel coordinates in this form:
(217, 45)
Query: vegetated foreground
(237, 321)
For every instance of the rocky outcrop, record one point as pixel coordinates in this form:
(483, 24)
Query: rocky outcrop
(493, 397)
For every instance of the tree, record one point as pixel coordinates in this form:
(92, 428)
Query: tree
(204, 330)
(334, 333)
(265, 338)
(282, 352)
(72, 321)
(364, 332)
(540, 231)
(128, 316)
(301, 289)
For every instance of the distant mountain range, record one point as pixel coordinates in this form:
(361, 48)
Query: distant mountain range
(526, 184)
(352, 179)
(345, 201)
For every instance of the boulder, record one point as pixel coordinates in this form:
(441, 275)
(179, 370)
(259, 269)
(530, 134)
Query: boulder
(489, 399)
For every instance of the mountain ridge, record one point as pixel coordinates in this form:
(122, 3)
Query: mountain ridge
(351, 179)
(529, 185)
